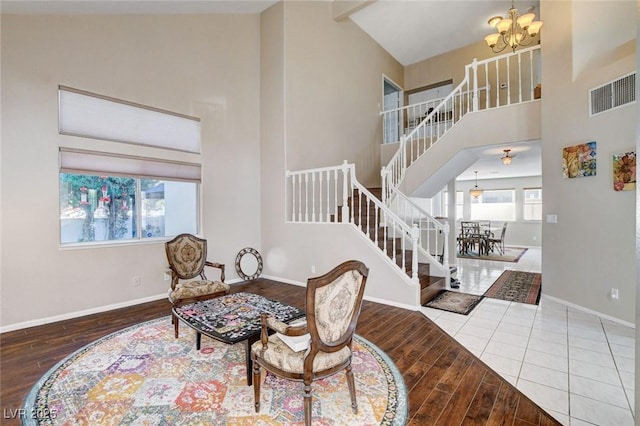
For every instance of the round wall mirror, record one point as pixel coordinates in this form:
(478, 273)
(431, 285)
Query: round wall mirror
(249, 263)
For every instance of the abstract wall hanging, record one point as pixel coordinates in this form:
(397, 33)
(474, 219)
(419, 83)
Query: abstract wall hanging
(579, 160)
(624, 171)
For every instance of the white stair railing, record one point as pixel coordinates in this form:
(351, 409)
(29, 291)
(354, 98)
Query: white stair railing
(409, 116)
(433, 241)
(500, 81)
(496, 82)
(333, 194)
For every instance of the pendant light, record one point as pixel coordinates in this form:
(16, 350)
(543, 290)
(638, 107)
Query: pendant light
(476, 191)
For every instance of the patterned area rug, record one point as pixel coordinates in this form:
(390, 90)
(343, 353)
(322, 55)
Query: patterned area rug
(517, 286)
(453, 301)
(143, 376)
(511, 254)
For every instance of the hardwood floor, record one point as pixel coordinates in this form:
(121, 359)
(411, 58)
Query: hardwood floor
(446, 384)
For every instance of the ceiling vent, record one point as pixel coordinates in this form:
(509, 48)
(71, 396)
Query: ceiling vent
(612, 95)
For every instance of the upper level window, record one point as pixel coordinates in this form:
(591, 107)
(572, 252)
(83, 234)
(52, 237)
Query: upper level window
(532, 204)
(495, 204)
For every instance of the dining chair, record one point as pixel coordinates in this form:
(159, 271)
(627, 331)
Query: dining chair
(498, 243)
(470, 237)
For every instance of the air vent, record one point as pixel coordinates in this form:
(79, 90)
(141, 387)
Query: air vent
(613, 94)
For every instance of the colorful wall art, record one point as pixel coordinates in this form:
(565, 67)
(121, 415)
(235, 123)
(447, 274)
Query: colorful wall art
(579, 160)
(624, 171)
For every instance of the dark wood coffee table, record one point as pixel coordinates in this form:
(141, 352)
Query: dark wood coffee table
(234, 318)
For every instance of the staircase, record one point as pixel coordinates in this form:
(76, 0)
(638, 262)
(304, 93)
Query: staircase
(366, 218)
(390, 220)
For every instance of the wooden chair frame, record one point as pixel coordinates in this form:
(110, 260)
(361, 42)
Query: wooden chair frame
(316, 344)
(177, 275)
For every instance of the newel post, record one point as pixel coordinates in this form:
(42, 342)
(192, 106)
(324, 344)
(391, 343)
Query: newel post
(446, 228)
(345, 198)
(383, 174)
(415, 234)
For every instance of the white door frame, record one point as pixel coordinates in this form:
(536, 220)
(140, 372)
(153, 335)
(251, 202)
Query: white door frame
(393, 123)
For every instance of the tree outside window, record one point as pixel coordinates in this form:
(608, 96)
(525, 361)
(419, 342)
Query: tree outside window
(109, 208)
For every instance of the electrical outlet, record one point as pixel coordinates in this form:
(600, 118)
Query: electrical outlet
(136, 281)
(615, 295)
(313, 269)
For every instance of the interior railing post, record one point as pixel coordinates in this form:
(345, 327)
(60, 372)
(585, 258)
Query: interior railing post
(383, 174)
(403, 156)
(445, 247)
(345, 205)
(474, 66)
(415, 234)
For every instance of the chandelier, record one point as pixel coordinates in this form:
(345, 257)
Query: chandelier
(476, 191)
(512, 31)
(506, 160)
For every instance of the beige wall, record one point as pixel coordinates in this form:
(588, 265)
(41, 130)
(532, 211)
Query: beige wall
(321, 86)
(591, 248)
(447, 66)
(333, 91)
(207, 66)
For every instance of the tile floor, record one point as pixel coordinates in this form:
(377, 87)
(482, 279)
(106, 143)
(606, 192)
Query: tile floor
(577, 366)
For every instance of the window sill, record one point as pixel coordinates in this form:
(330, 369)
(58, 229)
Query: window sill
(109, 244)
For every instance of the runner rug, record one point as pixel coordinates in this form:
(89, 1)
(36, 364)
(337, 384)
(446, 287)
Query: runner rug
(517, 286)
(453, 301)
(142, 375)
(511, 254)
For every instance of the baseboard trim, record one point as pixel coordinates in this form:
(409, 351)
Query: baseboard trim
(285, 280)
(394, 304)
(104, 308)
(76, 314)
(589, 311)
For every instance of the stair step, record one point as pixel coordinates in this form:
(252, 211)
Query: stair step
(431, 290)
(430, 286)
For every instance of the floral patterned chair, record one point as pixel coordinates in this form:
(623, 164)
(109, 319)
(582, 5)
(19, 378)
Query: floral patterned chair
(187, 256)
(333, 305)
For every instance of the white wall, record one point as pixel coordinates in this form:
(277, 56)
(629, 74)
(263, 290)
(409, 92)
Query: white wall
(205, 66)
(591, 248)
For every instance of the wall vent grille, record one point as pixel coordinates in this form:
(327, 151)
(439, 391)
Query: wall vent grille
(612, 95)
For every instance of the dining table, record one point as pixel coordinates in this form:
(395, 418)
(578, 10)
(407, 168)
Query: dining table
(476, 233)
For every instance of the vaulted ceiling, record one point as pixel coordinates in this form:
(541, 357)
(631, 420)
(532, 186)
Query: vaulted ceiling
(410, 30)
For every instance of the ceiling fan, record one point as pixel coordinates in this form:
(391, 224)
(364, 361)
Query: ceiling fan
(506, 159)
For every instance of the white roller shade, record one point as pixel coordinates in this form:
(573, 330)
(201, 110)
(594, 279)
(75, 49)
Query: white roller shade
(107, 164)
(100, 117)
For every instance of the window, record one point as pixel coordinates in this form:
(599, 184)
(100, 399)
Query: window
(459, 204)
(113, 196)
(532, 204)
(111, 208)
(497, 204)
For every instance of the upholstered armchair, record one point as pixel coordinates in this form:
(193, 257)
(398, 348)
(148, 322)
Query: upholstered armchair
(333, 303)
(187, 256)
